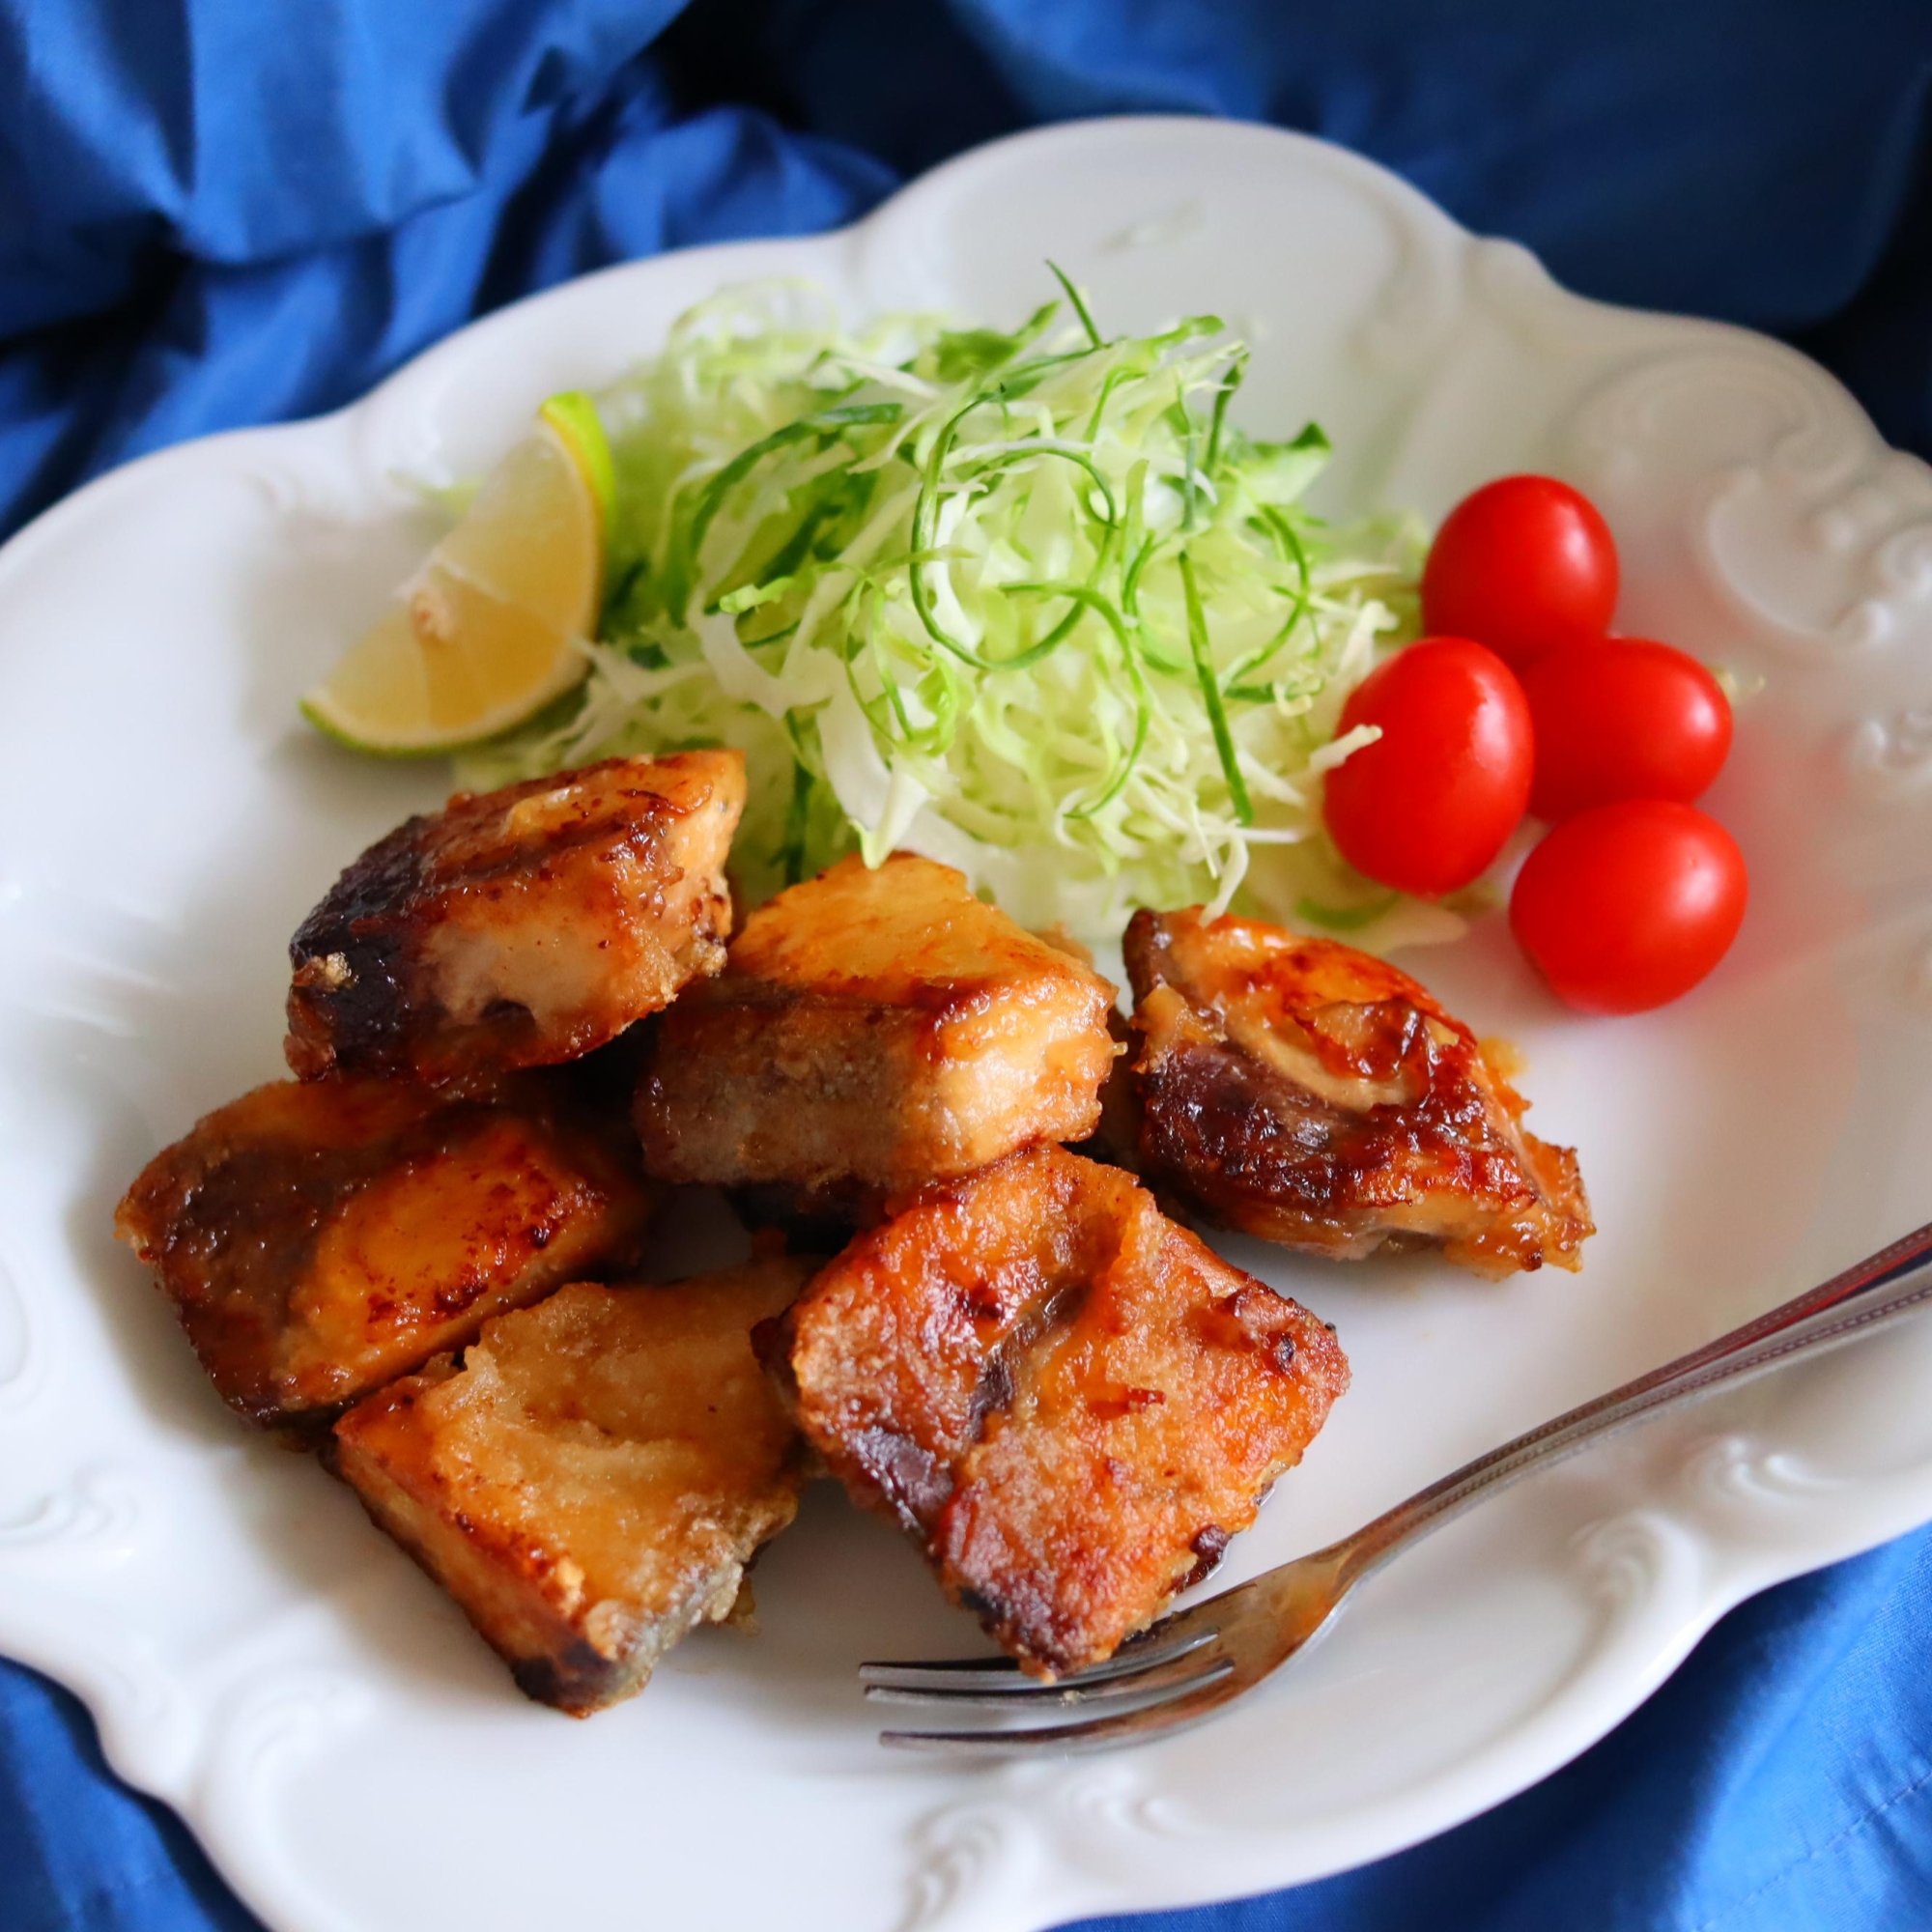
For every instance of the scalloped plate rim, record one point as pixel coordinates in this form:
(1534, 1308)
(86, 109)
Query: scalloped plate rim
(1576, 1713)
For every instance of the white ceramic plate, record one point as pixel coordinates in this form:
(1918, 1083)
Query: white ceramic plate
(350, 1754)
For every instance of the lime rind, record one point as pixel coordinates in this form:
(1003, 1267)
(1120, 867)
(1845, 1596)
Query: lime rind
(573, 416)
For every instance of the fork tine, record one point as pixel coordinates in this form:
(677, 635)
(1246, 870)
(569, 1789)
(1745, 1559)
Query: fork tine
(1178, 1672)
(940, 1669)
(1089, 1734)
(964, 1673)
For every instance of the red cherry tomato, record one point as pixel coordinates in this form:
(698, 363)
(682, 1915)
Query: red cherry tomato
(1523, 564)
(1628, 906)
(1623, 719)
(1431, 803)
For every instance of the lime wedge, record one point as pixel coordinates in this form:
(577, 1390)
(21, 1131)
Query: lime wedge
(485, 632)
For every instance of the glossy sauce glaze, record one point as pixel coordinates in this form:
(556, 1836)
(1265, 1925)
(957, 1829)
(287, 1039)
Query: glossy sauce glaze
(317, 1238)
(1308, 1092)
(520, 927)
(1070, 1402)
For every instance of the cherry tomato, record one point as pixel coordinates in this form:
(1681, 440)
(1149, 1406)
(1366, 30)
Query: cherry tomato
(1629, 905)
(1523, 564)
(1431, 803)
(1625, 717)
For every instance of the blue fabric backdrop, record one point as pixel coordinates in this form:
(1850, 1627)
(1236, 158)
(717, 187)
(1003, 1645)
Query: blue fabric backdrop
(219, 212)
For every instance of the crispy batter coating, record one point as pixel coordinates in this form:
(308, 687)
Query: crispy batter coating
(319, 1237)
(592, 1480)
(1310, 1094)
(1068, 1402)
(520, 927)
(883, 1028)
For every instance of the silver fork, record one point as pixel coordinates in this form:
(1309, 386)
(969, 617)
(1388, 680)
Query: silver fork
(1190, 1664)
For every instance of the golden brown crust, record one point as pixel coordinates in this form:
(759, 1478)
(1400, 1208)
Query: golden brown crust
(591, 1481)
(317, 1239)
(879, 1028)
(1311, 1093)
(1068, 1402)
(521, 927)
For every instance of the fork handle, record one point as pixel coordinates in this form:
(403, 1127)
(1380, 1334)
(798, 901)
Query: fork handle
(1873, 1292)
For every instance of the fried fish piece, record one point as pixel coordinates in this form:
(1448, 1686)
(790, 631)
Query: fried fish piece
(1068, 1402)
(877, 1028)
(1310, 1094)
(520, 927)
(319, 1238)
(590, 1480)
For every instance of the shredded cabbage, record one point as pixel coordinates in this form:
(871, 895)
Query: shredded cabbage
(1028, 603)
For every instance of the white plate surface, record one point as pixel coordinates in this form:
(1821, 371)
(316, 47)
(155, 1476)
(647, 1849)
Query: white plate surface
(350, 1754)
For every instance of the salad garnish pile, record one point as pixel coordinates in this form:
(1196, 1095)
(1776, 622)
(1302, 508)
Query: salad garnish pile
(1026, 602)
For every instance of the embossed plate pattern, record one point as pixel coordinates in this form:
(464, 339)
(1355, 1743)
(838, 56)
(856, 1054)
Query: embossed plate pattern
(352, 1758)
